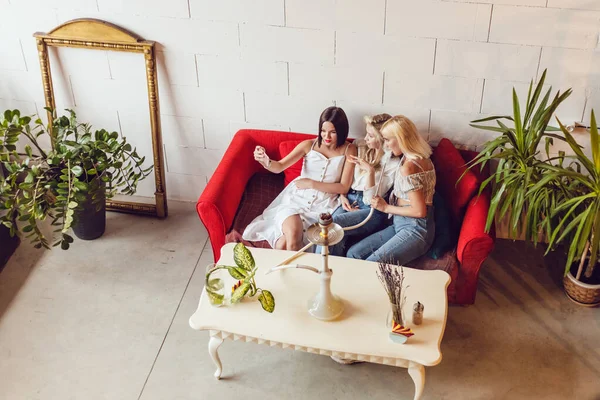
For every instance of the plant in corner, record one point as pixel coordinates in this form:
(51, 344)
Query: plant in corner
(243, 272)
(557, 196)
(67, 182)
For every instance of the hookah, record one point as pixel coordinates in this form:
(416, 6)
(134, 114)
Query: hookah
(324, 305)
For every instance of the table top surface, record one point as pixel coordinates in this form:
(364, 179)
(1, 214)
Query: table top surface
(361, 329)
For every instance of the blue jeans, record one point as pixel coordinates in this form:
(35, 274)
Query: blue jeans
(403, 241)
(349, 218)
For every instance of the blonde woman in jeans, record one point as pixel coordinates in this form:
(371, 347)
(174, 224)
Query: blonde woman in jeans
(411, 203)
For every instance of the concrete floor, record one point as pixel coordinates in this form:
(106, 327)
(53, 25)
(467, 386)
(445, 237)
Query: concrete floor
(108, 319)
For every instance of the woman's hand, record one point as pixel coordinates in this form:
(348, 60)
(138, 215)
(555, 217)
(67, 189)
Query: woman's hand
(362, 164)
(304, 183)
(261, 156)
(346, 204)
(379, 203)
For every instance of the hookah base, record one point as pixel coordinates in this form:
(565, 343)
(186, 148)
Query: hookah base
(327, 310)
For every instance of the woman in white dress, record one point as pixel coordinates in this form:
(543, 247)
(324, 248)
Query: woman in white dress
(326, 173)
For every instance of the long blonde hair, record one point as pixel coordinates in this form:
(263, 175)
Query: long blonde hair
(373, 156)
(412, 145)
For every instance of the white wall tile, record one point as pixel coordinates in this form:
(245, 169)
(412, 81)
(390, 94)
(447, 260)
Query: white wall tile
(268, 12)
(568, 67)
(360, 15)
(192, 160)
(217, 72)
(182, 131)
(388, 52)
(21, 85)
(185, 187)
(217, 134)
(26, 107)
(593, 102)
(486, 60)
(91, 64)
(126, 95)
(105, 117)
(174, 68)
(455, 126)
(314, 14)
(545, 27)
(187, 101)
(529, 3)
(301, 114)
(357, 110)
(435, 19)
(11, 55)
(497, 100)
(19, 23)
(174, 34)
(83, 5)
(236, 126)
(441, 92)
(337, 83)
(271, 43)
(159, 8)
(575, 4)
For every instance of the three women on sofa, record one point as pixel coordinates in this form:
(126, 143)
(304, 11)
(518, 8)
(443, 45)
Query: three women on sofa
(398, 231)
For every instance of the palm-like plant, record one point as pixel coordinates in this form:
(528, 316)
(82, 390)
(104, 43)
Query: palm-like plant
(517, 151)
(579, 214)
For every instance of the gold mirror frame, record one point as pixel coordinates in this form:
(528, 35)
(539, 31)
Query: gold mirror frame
(89, 33)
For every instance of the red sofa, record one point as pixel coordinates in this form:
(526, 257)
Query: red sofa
(240, 189)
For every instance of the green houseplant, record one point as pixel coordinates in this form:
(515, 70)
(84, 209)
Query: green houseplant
(79, 170)
(243, 273)
(557, 197)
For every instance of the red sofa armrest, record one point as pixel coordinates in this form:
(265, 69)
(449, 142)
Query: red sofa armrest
(474, 245)
(221, 198)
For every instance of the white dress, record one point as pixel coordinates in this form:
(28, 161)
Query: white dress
(308, 203)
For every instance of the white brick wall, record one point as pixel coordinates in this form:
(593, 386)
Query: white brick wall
(276, 64)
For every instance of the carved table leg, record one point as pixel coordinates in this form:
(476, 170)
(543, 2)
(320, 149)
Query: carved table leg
(213, 346)
(417, 373)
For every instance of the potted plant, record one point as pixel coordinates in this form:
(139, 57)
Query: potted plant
(541, 195)
(67, 182)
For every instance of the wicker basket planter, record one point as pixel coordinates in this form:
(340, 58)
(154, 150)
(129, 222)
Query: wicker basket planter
(581, 293)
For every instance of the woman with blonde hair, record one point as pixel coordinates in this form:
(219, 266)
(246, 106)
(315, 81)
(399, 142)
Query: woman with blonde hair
(373, 164)
(411, 202)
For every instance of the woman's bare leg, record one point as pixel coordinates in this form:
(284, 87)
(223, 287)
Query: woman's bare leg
(292, 230)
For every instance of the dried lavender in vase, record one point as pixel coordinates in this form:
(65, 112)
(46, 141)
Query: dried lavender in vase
(392, 279)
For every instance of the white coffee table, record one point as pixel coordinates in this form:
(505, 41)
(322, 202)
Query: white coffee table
(359, 334)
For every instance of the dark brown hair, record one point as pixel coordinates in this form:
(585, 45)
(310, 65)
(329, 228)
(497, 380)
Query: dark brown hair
(338, 118)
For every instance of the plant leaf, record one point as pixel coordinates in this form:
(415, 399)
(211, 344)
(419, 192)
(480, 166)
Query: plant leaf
(237, 272)
(240, 292)
(243, 257)
(267, 301)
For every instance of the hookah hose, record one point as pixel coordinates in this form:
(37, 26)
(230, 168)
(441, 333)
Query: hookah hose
(349, 228)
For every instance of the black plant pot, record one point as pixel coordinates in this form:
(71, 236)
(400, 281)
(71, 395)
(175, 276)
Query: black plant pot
(89, 222)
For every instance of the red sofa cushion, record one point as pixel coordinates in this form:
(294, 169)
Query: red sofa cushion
(449, 166)
(295, 170)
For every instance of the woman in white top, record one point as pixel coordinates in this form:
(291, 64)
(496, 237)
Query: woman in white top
(411, 203)
(326, 173)
(372, 161)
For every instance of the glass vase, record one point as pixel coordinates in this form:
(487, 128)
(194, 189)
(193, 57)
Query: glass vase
(394, 314)
(214, 285)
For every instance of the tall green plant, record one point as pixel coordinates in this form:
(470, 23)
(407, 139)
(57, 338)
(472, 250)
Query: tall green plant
(41, 183)
(517, 152)
(579, 213)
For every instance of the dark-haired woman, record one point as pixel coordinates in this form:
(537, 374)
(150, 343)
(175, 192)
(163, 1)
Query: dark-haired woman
(326, 173)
